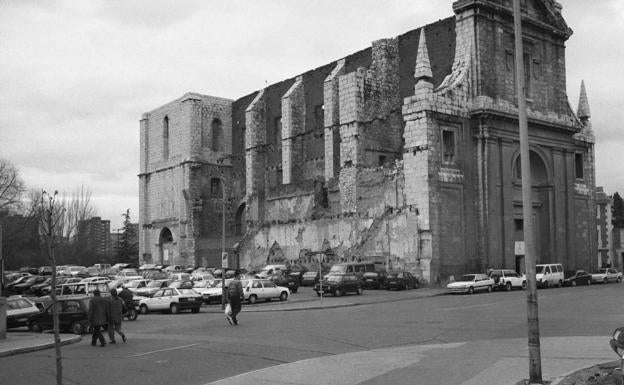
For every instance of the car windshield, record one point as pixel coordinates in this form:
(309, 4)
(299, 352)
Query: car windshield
(337, 269)
(466, 278)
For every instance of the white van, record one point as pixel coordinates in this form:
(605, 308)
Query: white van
(549, 274)
(270, 269)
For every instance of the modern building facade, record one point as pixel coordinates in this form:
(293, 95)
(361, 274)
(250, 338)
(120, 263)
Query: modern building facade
(94, 233)
(405, 153)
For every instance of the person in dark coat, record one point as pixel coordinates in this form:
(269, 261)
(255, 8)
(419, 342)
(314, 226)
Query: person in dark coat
(116, 314)
(99, 313)
(235, 296)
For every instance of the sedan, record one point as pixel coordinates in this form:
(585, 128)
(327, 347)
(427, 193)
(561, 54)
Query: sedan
(152, 287)
(18, 311)
(339, 284)
(469, 283)
(374, 279)
(310, 278)
(173, 300)
(578, 277)
(255, 289)
(401, 281)
(606, 275)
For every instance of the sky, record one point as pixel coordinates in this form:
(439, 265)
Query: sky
(75, 76)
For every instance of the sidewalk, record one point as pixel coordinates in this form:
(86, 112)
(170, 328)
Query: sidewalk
(24, 342)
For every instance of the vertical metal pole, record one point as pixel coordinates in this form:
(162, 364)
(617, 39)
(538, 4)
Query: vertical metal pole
(535, 362)
(1, 265)
(320, 259)
(223, 244)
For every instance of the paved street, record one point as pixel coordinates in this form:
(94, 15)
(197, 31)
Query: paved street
(443, 340)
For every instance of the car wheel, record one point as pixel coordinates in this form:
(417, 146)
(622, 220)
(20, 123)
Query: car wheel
(77, 328)
(173, 308)
(35, 327)
(144, 309)
(359, 291)
(337, 293)
(489, 288)
(253, 298)
(573, 283)
(508, 286)
(195, 310)
(283, 296)
(471, 290)
(524, 285)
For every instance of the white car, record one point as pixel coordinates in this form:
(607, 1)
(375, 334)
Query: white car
(95, 279)
(507, 279)
(255, 289)
(136, 284)
(469, 283)
(152, 287)
(172, 300)
(606, 275)
(18, 310)
(210, 290)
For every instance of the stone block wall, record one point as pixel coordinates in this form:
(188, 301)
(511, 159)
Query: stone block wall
(293, 126)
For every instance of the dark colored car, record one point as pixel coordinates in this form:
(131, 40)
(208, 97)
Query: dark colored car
(578, 277)
(73, 316)
(401, 281)
(310, 278)
(297, 272)
(374, 279)
(18, 311)
(285, 280)
(37, 288)
(339, 284)
(25, 285)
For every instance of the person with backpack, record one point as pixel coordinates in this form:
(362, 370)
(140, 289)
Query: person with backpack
(235, 297)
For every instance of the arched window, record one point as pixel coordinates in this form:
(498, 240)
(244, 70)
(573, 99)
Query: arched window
(217, 135)
(166, 138)
(240, 220)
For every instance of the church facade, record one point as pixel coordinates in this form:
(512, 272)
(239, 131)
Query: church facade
(405, 153)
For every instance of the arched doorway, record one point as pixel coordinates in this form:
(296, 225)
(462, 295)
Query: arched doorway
(541, 193)
(165, 246)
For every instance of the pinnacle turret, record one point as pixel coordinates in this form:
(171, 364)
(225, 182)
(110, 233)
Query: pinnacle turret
(583, 112)
(422, 72)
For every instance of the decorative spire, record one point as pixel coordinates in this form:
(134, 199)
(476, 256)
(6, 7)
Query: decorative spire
(422, 72)
(583, 112)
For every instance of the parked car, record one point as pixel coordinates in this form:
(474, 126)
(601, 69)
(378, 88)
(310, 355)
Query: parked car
(179, 276)
(403, 280)
(606, 275)
(255, 289)
(73, 316)
(358, 268)
(45, 270)
(181, 284)
(152, 287)
(83, 288)
(469, 283)
(282, 279)
(173, 300)
(375, 280)
(210, 290)
(269, 270)
(136, 284)
(578, 277)
(549, 274)
(18, 311)
(26, 284)
(36, 289)
(297, 272)
(507, 279)
(96, 279)
(339, 284)
(310, 278)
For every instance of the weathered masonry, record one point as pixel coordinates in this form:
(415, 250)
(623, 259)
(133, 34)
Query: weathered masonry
(406, 153)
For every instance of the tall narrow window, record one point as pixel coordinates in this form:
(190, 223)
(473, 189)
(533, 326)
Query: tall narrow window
(215, 187)
(217, 135)
(166, 138)
(278, 131)
(448, 146)
(578, 166)
(527, 74)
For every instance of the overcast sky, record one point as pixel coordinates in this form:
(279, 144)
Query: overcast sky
(75, 76)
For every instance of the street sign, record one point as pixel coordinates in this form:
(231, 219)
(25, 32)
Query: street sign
(224, 260)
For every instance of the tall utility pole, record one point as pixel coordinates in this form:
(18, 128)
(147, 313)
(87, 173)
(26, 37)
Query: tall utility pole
(223, 299)
(535, 360)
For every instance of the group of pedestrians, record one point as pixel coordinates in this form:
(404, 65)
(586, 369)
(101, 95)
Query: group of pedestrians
(107, 312)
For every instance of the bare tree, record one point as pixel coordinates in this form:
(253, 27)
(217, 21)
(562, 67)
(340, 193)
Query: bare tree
(11, 185)
(50, 213)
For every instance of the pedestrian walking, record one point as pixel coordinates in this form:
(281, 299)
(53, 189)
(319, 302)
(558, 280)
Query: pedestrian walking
(99, 313)
(115, 317)
(126, 295)
(235, 297)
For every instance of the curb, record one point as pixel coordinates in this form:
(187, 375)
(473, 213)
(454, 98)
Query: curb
(34, 348)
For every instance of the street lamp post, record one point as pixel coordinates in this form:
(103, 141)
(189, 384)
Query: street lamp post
(222, 243)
